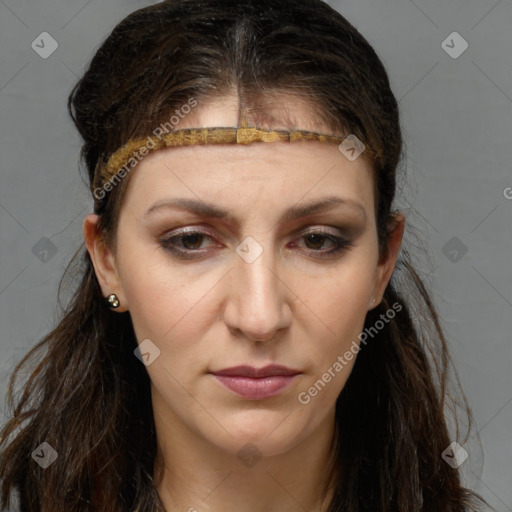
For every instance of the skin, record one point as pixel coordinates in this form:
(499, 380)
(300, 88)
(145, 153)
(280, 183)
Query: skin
(289, 306)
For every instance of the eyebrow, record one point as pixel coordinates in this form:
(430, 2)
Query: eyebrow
(295, 212)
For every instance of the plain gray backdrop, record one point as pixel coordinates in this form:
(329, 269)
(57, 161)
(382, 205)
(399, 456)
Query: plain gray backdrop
(456, 106)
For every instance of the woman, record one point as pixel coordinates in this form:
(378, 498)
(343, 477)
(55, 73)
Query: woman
(243, 336)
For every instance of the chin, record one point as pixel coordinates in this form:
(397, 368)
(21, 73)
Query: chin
(267, 436)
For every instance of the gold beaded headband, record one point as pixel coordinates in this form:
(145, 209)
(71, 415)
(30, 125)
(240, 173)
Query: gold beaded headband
(126, 158)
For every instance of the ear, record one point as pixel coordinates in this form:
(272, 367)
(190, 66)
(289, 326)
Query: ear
(103, 261)
(387, 263)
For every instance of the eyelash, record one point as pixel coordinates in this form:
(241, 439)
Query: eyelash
(341, 244)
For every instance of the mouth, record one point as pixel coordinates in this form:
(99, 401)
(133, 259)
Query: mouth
(256, 383)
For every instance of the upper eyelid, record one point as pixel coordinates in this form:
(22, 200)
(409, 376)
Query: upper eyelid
(192, 230)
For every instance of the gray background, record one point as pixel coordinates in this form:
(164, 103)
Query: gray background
(457, 123)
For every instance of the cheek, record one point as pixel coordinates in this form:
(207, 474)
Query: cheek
(341, 298)
(332, 350)
(170, 304)
(160, 305)
(154, 293)
(336, 310)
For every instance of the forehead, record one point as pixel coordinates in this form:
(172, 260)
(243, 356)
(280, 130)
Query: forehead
(268, 175)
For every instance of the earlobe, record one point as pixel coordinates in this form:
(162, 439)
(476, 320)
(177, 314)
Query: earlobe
(103, 261)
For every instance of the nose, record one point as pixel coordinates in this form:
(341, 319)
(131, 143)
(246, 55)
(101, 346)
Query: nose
(258, 305)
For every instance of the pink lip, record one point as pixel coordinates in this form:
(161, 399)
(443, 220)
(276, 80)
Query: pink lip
(256, 384)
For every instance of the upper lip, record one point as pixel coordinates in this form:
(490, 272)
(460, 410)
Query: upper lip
(250, 371)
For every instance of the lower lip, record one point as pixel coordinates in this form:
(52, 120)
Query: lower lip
(256, 389)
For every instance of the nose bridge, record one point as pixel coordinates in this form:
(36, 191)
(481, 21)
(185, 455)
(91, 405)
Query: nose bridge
(257, 290)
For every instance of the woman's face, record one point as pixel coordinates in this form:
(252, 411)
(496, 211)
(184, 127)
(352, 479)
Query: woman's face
(222, 260)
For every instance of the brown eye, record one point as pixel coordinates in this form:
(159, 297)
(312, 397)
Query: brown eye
(315, 240)
(192, 240)
(183, 245)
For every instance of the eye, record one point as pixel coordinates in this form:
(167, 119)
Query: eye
(314, 240)
(187, 245)
(190, 240)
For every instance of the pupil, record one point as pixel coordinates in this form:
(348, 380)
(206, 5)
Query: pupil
(188, 237)
(318, 238)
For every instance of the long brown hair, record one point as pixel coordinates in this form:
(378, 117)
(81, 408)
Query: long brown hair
(88, 397)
